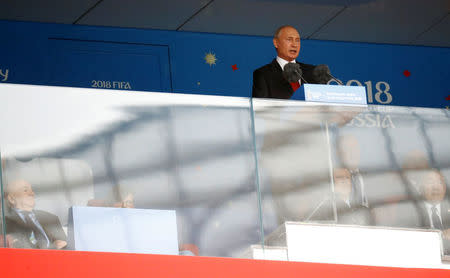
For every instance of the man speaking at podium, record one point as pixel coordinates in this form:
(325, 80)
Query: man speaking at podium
(281, 78)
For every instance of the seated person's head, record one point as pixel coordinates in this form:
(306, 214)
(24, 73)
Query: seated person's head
(19, 195)
(432, 186)
(342, 183)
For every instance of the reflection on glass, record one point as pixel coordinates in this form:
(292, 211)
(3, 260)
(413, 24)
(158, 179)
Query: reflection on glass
(376, 166)
(295, 160)
(129, 169)
(137, 169)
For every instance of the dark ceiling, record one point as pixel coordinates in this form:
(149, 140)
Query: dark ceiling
(410, 22)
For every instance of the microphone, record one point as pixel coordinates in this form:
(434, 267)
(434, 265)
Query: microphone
(322, 75)
(293, 73)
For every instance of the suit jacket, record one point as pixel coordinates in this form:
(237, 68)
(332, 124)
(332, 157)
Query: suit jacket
(17, 229)
(445, 219)
(445, 215)
(350, 215)
(268, 81)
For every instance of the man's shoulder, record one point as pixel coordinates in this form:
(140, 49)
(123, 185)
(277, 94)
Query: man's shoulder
(445, 205)
(41, 214)
(266, 68)
(10, 214)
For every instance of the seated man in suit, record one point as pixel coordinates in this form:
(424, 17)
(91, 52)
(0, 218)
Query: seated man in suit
(348, 212)
(435, 207)
(268, 81)
(29, 228)
(348, 152)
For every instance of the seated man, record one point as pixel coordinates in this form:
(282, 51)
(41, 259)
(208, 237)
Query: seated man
(348, 212)
(435, 206)
(348, 151)
(29, 228)
(340, 208)
(268, 81)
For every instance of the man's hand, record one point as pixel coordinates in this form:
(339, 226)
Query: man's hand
(446, 234)
(12, 241)
(59, 244)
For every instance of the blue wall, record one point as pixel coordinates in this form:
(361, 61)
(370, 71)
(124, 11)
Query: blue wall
(415, 76)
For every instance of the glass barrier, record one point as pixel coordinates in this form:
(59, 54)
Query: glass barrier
(376, 166)
(133, 172)
(99, 170)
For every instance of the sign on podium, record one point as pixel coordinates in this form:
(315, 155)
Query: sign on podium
(338, 94)
(124, 230)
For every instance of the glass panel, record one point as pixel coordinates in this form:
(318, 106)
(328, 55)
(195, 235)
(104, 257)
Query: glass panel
(376, 166)
(398, 163)
(294, 162)
(130, 172)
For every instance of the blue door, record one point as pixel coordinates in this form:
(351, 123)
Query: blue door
(108, 65)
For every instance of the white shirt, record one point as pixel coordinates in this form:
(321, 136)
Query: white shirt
(355, 174)
(282, 62)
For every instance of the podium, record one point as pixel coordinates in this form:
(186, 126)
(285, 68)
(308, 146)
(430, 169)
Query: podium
(354, 245)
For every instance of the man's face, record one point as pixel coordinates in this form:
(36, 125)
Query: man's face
(434, 187)
(21, 195)
(287, 44)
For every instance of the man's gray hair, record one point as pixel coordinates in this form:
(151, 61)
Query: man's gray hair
(278, 31)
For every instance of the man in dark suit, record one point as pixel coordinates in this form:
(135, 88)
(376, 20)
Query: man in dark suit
(29, 228)
(268, 81)
(349, 154)
(435, 212)
(348, 212)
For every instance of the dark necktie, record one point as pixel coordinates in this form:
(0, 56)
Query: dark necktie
(39, 233)
(435, 218)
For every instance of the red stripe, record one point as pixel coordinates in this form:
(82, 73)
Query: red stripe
(73, 264)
